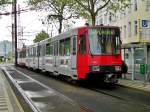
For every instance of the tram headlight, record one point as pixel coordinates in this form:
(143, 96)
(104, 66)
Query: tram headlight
(117, 68)
(95, 68)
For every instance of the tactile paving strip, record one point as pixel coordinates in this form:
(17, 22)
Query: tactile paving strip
(5, 105)
(3, 102)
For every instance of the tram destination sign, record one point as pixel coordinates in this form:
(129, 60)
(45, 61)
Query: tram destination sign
(103, 31)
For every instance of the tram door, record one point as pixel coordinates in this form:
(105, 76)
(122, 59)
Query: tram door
(74, 52)
(82, 57)
(43, 57)
(55, 55)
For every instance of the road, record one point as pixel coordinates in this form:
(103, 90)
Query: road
(97, 98)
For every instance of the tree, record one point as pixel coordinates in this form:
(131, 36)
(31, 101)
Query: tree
(3, 3)
(92, 7)
(41, 36)
(59, 10)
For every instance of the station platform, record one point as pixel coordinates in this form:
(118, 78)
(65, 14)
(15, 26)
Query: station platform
(8, 100)
(136, 84)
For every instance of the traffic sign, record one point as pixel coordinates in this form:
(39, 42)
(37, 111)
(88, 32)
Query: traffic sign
(144, 23)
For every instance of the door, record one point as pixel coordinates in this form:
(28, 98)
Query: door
(82, 62)
(56, 55)
(74, 52)
(43, 56)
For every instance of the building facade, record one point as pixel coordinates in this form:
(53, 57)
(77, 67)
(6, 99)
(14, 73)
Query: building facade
(5, 49)
(134, 23)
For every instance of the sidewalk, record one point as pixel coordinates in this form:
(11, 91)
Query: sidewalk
(136, 84)
(8, 100)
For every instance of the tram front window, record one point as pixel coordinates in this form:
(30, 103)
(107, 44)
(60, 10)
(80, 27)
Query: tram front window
(104, 41)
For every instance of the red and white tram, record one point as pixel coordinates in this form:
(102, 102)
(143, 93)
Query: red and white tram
(81, 53)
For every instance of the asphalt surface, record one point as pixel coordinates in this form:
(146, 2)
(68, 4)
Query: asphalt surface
(96, 98)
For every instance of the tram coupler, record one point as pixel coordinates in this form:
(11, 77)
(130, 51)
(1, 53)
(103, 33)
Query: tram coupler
(111, 78)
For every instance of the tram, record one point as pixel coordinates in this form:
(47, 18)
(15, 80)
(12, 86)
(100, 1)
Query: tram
(81, 53)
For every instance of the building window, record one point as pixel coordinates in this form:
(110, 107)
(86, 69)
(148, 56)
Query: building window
(129, 9)
(129, 29)
(147, 5)
(135, 5)
(125, 31)
(135, 27)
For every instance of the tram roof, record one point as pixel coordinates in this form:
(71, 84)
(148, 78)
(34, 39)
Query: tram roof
(70, 33)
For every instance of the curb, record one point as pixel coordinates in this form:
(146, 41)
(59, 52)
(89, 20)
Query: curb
(23, 100)
(138, 85)
(12, 102)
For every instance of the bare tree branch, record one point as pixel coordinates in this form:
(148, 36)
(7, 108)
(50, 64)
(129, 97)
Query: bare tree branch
(100, 8)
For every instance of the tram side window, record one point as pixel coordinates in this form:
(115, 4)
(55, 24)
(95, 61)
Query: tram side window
(43, 50)
(34, 51)
(67, 47)
(27, 55)
(49, 49)
(30, 52)
(82, 47)
(117, 45)
(22, 54)
(39, 51)
(61, 47)
(56, 48)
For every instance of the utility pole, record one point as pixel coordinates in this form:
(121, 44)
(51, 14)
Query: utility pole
(15, 25)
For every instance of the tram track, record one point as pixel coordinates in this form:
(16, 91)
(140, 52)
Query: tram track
(118, 97)
(100, 90)
(108, 94)
(96, 90)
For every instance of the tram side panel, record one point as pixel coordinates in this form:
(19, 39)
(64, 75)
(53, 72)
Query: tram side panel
(48, 59)
(29, 57)
(35, 57)
(73, 61)
(82, 56)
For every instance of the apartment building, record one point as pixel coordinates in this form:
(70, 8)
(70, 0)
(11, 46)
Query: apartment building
(134, 23)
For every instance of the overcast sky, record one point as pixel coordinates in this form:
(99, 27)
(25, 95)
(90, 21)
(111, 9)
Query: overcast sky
(31, 24)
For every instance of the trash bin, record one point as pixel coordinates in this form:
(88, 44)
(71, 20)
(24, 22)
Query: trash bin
(142, 69)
